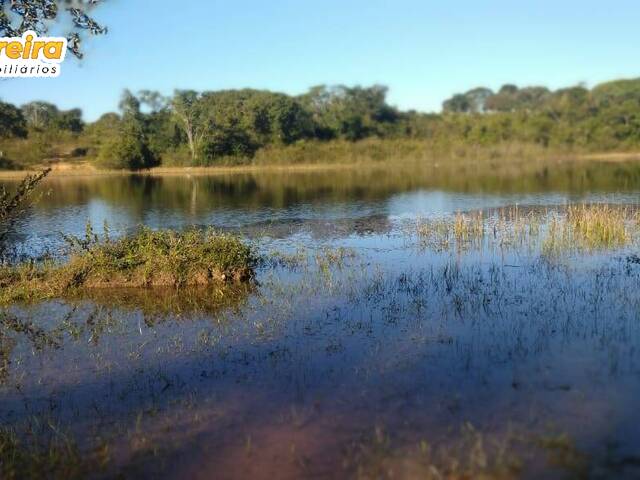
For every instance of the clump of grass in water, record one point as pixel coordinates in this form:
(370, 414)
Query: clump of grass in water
(580, 228)
(146, 259)
(588, 228)
(465, 230)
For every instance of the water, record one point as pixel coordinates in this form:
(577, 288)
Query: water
(359, 352)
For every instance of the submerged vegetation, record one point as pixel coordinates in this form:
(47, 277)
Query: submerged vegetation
(417, 349)
(48, 454)
(255, 126)
(145, 259)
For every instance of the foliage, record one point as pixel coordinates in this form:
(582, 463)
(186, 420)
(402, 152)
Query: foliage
(43, 116)
(129, 149)
(233, 126)
(14, 204)
(145, 259)
(19, 16)
(12, 121)
(349, 113)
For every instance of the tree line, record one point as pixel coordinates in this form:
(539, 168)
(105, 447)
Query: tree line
(205, 128)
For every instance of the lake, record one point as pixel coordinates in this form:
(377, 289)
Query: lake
(404, 323)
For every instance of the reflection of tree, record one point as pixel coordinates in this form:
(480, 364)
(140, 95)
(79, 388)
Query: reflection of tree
(110, 310)
(161, 304)
(12, 327)
(201, 194)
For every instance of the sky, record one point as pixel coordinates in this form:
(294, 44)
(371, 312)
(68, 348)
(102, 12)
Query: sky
(424, 51)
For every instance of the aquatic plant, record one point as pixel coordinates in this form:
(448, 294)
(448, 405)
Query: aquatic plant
(574, 228)
(590, 227)
(147, 258)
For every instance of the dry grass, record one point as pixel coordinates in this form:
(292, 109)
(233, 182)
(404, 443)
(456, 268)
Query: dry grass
(581, 228)
(591, 227)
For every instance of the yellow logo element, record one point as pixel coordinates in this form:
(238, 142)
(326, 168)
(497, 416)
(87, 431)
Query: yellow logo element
(31, 55)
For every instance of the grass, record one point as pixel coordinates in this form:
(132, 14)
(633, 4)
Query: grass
(473, 456)
(145, 259)
(46, 454)
(591, 227)
(20, 154)
(376, 150)
(576, 228)
(39, 148)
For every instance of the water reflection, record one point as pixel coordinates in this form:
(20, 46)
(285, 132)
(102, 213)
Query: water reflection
(282, 202)
(352, 329)
(316, 357)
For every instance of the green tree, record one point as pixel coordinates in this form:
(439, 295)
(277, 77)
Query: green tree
(351, 113)
(459, 103)
(473, 101)
(39, 115)
(129, 150)
(130, 147)
(12, 122)
(187, 108)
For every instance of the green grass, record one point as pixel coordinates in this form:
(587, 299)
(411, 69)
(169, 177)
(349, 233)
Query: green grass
(38, 149)
(376, 150)
(145, 259)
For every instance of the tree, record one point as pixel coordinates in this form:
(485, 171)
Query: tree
(155, 101)
(19, 16)
(477, 98)
(130, 148)
(39, 115)
(129, 105)
(186, 105)
(70, 120)
(459, 103)
(12, 122)
(349, 112)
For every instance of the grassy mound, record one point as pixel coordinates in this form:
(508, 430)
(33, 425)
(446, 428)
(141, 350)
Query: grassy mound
(146, 259)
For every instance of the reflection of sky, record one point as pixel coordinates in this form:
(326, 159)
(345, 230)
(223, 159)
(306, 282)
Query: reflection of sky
(435, 202)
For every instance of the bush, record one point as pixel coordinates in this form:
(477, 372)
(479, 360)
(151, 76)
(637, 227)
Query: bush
(146, 259)
(229, 142)
(130, 150)
(14, 204)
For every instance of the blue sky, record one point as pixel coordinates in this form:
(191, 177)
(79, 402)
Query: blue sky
(423, 50)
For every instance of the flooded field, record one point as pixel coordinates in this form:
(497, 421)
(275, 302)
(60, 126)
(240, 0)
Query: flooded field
(400, 325)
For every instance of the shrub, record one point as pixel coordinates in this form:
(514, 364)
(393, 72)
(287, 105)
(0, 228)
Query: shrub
(146, 259)
(14, 204)
(130, 150)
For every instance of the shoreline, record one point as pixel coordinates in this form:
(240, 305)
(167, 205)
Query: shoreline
(61, 170)
(69, 170)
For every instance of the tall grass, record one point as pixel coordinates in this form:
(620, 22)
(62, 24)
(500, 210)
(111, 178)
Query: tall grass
(376, 150)
(576, 228)
(591, 227)
(146, 259)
